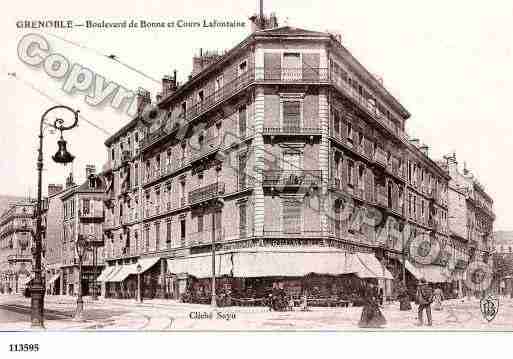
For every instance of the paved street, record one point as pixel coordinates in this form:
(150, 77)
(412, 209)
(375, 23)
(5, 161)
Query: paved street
(171, 315)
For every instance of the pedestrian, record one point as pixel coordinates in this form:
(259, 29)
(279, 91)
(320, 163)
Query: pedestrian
(371, 314)
(438, 297)
(424, 300)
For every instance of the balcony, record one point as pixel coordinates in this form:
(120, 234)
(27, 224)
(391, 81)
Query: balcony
(208, 146)
(295, 75)
(19, 258)
(206, 193)
(126, 156)
(293, 234)
(202, 107)
(91, 214)
(205, 237)
(296, 178)
(380, 157)
(107, 167)
(292, 131)
(381, 196)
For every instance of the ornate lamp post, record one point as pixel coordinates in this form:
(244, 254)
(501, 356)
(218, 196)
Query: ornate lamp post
(139, 290)
(37, 289)
(80, 247)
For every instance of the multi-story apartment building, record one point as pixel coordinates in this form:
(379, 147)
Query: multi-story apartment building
(16, 242)
(503, 262)
(471, 214)
(271, 150)
(82, 216)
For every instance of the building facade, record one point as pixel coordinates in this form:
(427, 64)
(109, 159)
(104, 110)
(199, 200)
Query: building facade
(82, 216)
(15, 246)
(279, 151)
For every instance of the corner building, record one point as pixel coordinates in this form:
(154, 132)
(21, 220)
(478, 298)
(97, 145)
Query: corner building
(261, 151)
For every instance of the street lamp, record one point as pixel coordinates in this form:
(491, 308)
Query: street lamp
(37, 290)
(139, 293)
(80, 246)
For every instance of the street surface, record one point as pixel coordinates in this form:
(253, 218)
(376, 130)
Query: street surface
(167, 315)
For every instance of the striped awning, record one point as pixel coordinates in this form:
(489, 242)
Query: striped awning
(371, 267)
(106, 273)
(201, 266)
(121, 272)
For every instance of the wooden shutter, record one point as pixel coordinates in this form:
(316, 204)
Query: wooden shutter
(242, 220)
(369, 185)
(242, 171)
(291, 216)
(291, 115)
(272, 66)
(242, 121)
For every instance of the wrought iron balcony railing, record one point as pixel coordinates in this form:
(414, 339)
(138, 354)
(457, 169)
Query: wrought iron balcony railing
(291, 130)
(209, 145)
(292, 233)
(206, 193)
(300, 74)
(295, 178)
(98, 213)
(18, 258)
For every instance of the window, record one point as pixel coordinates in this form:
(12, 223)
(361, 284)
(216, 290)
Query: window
(242, 220)
(350, 170)
(182, 231)
(200, 223)
(292, 215)
(113, 154)
(86, 206)
(147, 239)
(243, 66)
(201, 96)
(291, 115)
(157, 236)
(291, 60)
(219, 83)
(242, 121)
(184, 109)
(168, 233)
(136, 175)
(350, 131)
(242, 171)
(292, 161)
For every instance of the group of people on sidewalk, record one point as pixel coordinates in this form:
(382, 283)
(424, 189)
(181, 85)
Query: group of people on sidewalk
(372, 317)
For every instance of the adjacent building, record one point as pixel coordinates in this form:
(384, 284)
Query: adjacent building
(16, 242)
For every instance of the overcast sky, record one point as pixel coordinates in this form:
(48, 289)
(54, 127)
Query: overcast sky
(448, 62)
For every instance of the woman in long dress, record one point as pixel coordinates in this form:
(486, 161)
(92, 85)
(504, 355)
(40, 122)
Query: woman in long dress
(438, 297)
(371, 314)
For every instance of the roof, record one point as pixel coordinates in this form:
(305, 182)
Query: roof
(101, 187)
(289, 30)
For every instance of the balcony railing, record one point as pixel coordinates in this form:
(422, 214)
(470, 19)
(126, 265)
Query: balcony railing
(207, 146)
(205, 237)
(17, 258)
(292, 233)
(380, 157)
(206, 193)
(295, 178)
(381, 196)
(91, 214)
(291, 130)
(301, 74)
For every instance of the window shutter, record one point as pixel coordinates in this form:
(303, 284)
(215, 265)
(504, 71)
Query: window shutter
(291, 115)
(242, 121)
(369, 185)
(291, 216)
(343, 175)
(242, 220)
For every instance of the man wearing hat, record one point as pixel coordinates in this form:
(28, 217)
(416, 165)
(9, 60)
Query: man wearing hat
(424, 300)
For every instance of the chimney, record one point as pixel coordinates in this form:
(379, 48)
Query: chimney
(452, 164)
(90, 170)
(415, 142)
(425, 150)
(143, 99)
(169, 84)
(69, 181)
(203, 60)
(54, 188)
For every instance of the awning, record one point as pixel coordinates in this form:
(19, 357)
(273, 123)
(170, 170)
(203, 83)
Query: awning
(370, 267)
(106, 273)
(289, 263)
(201, 266)
(125, 270)
(54, 278)
(431, 273)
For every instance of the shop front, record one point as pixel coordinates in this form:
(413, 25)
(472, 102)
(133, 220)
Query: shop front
(250, 276)
(121, 281)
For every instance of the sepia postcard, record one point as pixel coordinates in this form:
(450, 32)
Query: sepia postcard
(251, 166)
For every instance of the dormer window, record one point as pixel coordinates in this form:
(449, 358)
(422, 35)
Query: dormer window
(243, 66)
(92, 182)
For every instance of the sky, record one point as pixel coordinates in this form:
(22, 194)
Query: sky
(448, 63)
